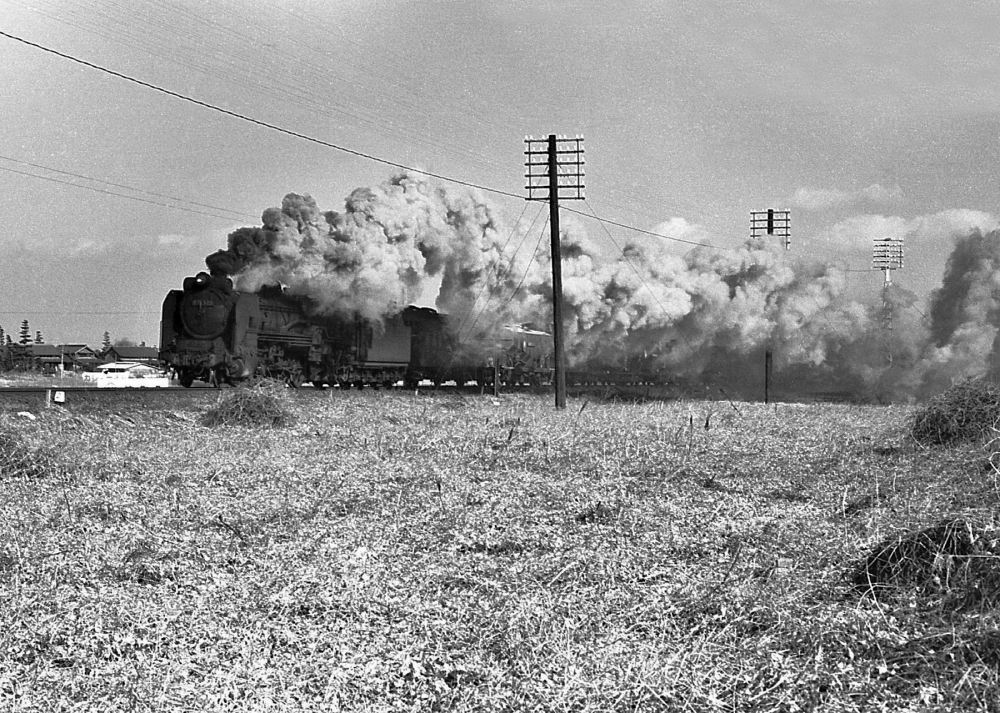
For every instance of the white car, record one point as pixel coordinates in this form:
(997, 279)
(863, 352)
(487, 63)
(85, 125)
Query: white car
(124, 373)
(131, 370)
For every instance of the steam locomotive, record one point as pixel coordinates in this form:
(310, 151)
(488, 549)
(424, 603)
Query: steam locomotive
(213, 333)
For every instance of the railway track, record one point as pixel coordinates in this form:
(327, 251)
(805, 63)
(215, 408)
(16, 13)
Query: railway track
(14, 398)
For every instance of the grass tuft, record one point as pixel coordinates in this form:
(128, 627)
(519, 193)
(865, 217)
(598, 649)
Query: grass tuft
(965, 412)
(953, 558)
(19, 458)
(263, 404)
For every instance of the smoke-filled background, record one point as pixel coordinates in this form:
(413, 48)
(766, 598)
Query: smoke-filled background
(706, 317)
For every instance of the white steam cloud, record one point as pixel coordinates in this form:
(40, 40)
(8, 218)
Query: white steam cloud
(819, 199)
(705, 316)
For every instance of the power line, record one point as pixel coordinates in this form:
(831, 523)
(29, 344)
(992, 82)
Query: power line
(112, 193)
(504, 274)
(257, 122)
(236, 214)
(321, 142)
(594, 216)
(639, 275)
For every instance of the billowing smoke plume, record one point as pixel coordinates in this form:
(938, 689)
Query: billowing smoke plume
(373, 258)
(709, 315)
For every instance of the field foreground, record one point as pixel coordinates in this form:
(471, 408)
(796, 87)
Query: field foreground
(400, 551)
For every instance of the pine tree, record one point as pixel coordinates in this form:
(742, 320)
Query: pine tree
(38, 338)
(3, 337)
(25, 333)
(106, 344)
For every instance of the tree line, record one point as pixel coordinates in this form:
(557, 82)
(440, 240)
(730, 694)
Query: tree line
(14, 355)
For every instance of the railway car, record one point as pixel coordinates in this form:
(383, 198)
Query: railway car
(515, 354)
(213, 333)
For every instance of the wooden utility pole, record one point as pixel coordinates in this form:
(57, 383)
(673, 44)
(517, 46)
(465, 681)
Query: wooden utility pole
(557, 293)
(767, 376)
(567, 154)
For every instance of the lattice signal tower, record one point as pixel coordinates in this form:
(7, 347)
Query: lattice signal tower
(887, 255)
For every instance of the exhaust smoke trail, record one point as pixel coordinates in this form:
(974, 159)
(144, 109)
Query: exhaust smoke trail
(708, 315)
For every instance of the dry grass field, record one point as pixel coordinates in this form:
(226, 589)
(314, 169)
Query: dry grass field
(392, 551)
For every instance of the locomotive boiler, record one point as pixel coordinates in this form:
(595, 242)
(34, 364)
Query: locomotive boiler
(213, 333)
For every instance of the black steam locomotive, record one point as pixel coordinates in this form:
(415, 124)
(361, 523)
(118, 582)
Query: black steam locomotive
(213, 333)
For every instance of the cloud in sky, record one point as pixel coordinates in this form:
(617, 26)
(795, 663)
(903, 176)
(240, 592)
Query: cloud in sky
(684, 230)
(934, 229)
(927, 239)
(818, 199)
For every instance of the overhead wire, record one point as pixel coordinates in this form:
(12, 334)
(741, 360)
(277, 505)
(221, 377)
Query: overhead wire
(208, 45)
(458, 331)
(113, 193)
(298, 81)
(604, 222)
(501, 276)
(637, 273)
(235, 214)
(500, 272)
(311, 139)
(258, 122)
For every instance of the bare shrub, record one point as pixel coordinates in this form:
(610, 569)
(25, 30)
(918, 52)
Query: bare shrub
(263, 404)
(965, 412)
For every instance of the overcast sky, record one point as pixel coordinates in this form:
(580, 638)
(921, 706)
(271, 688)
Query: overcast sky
(865, 119)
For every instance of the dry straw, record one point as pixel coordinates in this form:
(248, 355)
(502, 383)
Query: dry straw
(928, 559)
(19, 458)
(965, 412)
(263, 404)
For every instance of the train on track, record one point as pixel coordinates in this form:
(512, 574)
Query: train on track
(214, 333)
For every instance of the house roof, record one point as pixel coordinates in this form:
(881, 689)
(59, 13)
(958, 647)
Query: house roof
(76, 349)
(128, 353)
(44, 350)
